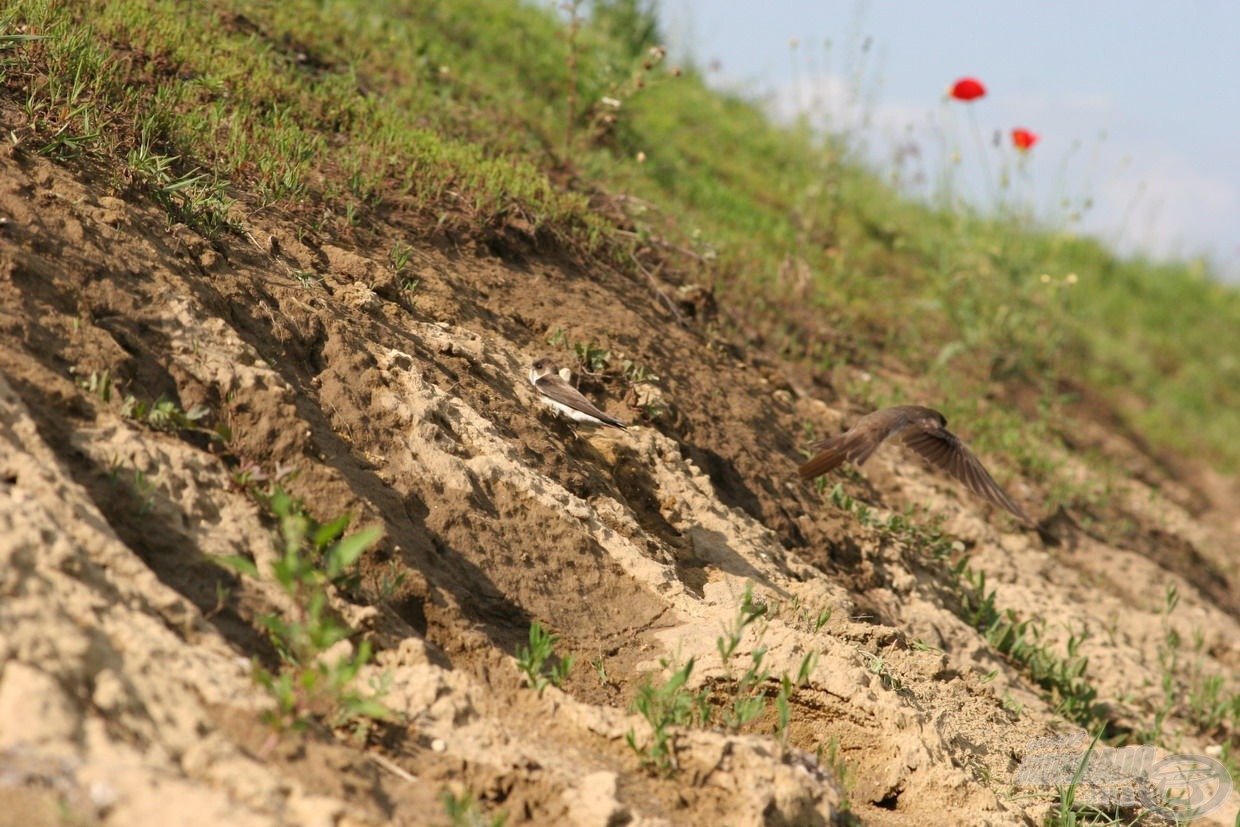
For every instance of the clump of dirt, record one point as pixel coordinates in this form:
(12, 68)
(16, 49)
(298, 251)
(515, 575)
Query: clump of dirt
(126, 690)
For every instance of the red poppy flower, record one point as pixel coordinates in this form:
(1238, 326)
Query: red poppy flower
(967, 89)
(1023, 139)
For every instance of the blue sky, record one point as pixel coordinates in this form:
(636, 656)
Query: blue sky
(1137, 103)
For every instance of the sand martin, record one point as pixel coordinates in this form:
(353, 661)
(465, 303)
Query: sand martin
(925, 431)
(565, 398)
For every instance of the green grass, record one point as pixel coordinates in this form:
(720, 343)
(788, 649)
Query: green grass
(493, 114)
(1193, 697)
(736, 700)
(667, 706)
(1068, 813)
(314, 558)
(1069, 691)
(535, 660)
(465, 810)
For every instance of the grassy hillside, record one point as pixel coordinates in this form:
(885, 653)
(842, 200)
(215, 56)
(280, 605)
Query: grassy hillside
(274, 270)
(491, 115)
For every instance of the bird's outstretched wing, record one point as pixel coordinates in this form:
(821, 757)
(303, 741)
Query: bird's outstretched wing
(944, 449)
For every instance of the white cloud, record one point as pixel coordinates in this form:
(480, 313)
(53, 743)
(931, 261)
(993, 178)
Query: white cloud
(835, 104)
(1170, 208)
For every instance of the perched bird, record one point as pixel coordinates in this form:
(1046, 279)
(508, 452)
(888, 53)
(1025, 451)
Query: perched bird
(925, 431)
(565, 398)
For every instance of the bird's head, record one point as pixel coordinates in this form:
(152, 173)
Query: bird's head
(544, 366)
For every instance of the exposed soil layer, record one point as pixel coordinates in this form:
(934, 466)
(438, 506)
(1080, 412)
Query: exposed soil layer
(126, 694)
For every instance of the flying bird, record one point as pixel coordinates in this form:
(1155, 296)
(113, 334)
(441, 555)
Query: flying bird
(925, 431)
(565, 398)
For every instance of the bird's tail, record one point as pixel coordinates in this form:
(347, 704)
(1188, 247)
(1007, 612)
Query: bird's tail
(855, 448)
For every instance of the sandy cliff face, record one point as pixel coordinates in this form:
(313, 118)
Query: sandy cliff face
(126, 693)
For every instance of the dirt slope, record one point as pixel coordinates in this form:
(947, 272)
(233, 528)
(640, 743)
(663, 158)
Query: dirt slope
(125, 690)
